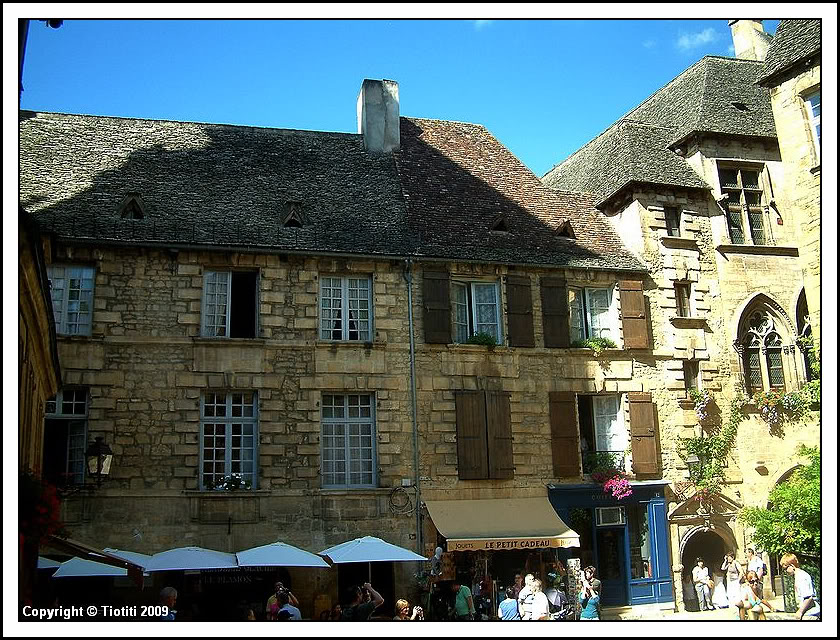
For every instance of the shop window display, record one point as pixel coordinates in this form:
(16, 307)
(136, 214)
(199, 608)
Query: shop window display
(640, 561)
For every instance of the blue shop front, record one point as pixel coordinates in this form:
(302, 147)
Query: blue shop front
(625, 540)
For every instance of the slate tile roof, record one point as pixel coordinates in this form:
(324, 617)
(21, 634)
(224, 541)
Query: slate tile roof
(794, 41)
(207, 185)
(638, 148)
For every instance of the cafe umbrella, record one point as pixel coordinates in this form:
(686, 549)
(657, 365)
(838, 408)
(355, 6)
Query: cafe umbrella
(191, 558)
(369, 549)
(279, 554)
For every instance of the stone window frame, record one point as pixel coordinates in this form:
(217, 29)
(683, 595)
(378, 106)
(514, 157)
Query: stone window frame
(464, 330)
(65, 307)
(692, 376)
(684, 306)
(72, 404)
(813, 121)
(747, 228)
(765, 345)
(210, 316)
(344, 309)
(366, 428)
(583, 293)
(673, 222)
(228, 421)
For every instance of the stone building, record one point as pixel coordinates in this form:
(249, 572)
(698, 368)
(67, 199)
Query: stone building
(693, 180)
(290, 310)
(792, 74)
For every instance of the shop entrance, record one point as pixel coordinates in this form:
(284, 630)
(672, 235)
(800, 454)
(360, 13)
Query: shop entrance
(611, 565)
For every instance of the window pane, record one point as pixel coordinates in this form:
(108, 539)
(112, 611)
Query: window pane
(599, 312)
(576, 324)
(756, 217)
(752, 361)
(331, 321)
(486, 310)
(347, 447)
(728, 178)
(461, 313)
(610, 433)
(639, 531)
(774, 367)
(672, 221)
(750, 179)
(683, 294)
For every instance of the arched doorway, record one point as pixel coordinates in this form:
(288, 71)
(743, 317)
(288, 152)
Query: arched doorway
(709, 544)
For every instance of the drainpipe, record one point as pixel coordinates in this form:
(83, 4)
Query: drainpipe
(408, 283)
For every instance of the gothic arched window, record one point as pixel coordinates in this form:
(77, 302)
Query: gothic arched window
(763, 351)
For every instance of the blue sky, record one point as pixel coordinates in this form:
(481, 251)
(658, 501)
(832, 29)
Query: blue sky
(543, 87)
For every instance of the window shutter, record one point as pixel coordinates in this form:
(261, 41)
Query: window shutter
(565, 444)
(555, 306)
(499, 436)
(471, 433)
(633, 315)
(644, 434)
(437, 319)
(520, 312)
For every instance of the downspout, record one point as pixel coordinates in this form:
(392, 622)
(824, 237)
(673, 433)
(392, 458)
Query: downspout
(413, 374)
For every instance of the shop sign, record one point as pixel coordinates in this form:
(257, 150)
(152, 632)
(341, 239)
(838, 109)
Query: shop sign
(499, 544)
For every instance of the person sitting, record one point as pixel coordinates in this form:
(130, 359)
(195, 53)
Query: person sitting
(752, 601)
(403, 607)
(508, 608)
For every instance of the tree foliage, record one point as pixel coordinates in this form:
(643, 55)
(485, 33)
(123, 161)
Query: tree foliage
(793, 520)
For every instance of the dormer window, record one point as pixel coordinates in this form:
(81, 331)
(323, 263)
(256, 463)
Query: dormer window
(294, 214)
(500, 225)
(565, 230)
(132, 207)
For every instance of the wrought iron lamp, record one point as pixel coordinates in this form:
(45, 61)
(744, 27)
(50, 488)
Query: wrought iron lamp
(99, 457)
(695, 466)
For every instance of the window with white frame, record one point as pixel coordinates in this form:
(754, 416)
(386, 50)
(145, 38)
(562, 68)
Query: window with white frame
(71, 289)
(229, 439)
(346, 308)
(745, 212)
(813, 107)
(603, 433)
(229, 307)
(593, 314)
(477, 310)
(348, 440)
(65, 437)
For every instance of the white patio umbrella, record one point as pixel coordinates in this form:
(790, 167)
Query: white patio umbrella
(47, 563)
(141, 559)
(79, 567)
(185, 558)
(279, 554)
(369, 549)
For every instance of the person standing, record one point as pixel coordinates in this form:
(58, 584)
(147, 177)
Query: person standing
(356, 609)
(806, 595)
(752, 601)
(589, 573)
(756, 564)
(539, 604)
(700, 578)
(464, 608)
(168, 597)
(286, 611)
(518, 585)
(734, 577)
(526, 598)
(272, 606)
(508, 608)
(590, 599)
(402, 609)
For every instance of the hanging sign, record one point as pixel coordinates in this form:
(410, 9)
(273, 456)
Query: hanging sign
(507, 544)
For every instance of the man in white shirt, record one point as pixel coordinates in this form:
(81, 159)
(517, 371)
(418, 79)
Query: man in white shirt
(700, 578)
(526, 598)
(755, 563)
(803, 587)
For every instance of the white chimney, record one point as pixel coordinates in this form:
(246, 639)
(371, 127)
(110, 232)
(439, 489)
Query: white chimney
(751, 43)
(378, 115)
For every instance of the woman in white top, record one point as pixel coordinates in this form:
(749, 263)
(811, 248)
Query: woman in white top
(539, 605)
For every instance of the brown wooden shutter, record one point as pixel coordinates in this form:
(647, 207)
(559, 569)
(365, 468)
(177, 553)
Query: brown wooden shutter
(644, 434)
(634, 315)
(520, 311)
(555, 307)
(437, 319)
(565, 443)
(471, 430)
(499, 436)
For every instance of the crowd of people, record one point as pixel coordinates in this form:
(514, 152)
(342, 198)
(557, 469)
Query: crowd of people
(744, 590)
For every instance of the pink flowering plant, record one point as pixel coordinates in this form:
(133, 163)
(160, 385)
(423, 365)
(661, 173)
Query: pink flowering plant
(610, 477)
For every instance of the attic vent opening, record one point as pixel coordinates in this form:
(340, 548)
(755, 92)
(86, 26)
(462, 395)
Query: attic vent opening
(740, 106)
(132, 207)
(565, 230)
(293, 216)
(500, 225)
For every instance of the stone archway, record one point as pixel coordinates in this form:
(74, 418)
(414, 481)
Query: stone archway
(708, 543)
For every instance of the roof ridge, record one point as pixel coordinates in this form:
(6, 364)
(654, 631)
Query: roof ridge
(472, 124)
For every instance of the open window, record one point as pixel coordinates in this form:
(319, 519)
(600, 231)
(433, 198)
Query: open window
(65, 437)
(229, 307)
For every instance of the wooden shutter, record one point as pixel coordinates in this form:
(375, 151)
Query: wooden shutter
(644, 435)
(555, 306)
(437, 319)
(499, 436)
(565, 444)
(471, 430)
(633, 315)
(520, 311)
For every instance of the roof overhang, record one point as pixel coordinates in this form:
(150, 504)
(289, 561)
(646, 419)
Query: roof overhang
(500, 524)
